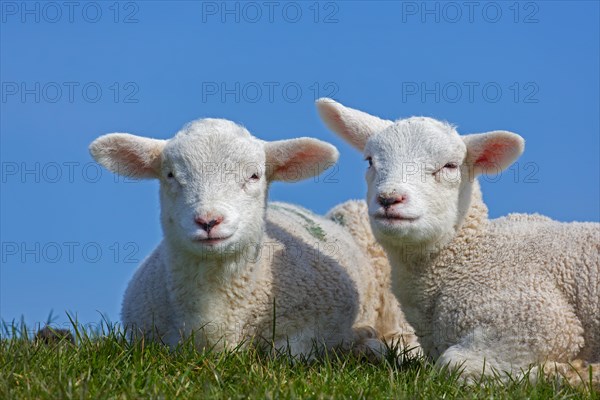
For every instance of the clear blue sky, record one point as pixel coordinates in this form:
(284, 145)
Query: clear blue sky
(73, 234)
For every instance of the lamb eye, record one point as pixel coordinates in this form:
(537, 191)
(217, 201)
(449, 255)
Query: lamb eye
(170, 175)
(370, 160)
(254, 177)
(451, 165)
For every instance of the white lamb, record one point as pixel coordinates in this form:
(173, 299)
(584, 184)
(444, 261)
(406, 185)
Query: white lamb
(231, 271)
(482, 295)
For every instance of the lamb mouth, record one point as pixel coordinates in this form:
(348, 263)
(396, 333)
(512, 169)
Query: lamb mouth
(395, 218)
(212, 240)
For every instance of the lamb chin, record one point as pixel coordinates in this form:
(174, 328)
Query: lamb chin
(222, 250)
(395, 229)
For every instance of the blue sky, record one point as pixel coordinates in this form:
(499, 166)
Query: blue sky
(73, 234)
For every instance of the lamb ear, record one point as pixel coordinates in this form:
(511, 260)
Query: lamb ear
(493, 152)
(354, 126)
(297, 159)
(129, 155)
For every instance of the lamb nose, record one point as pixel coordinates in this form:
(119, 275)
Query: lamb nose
(387, 201)
(208, 225)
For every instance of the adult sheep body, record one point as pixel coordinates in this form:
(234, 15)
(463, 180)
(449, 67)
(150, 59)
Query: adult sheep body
(483, 295)
(231, 270)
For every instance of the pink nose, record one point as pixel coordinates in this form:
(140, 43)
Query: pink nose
(389, 200)
(207, 224)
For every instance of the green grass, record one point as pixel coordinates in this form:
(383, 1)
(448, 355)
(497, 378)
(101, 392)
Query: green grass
(104, 365)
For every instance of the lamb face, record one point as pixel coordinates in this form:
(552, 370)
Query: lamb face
(420, 172)
(414, 180)
(213, 188)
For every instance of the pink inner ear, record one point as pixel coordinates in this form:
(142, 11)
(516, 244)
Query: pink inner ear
(137, 161)
(492, 154)
(334, 118)
(336, 123)
(131, 158)
(294, 165)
